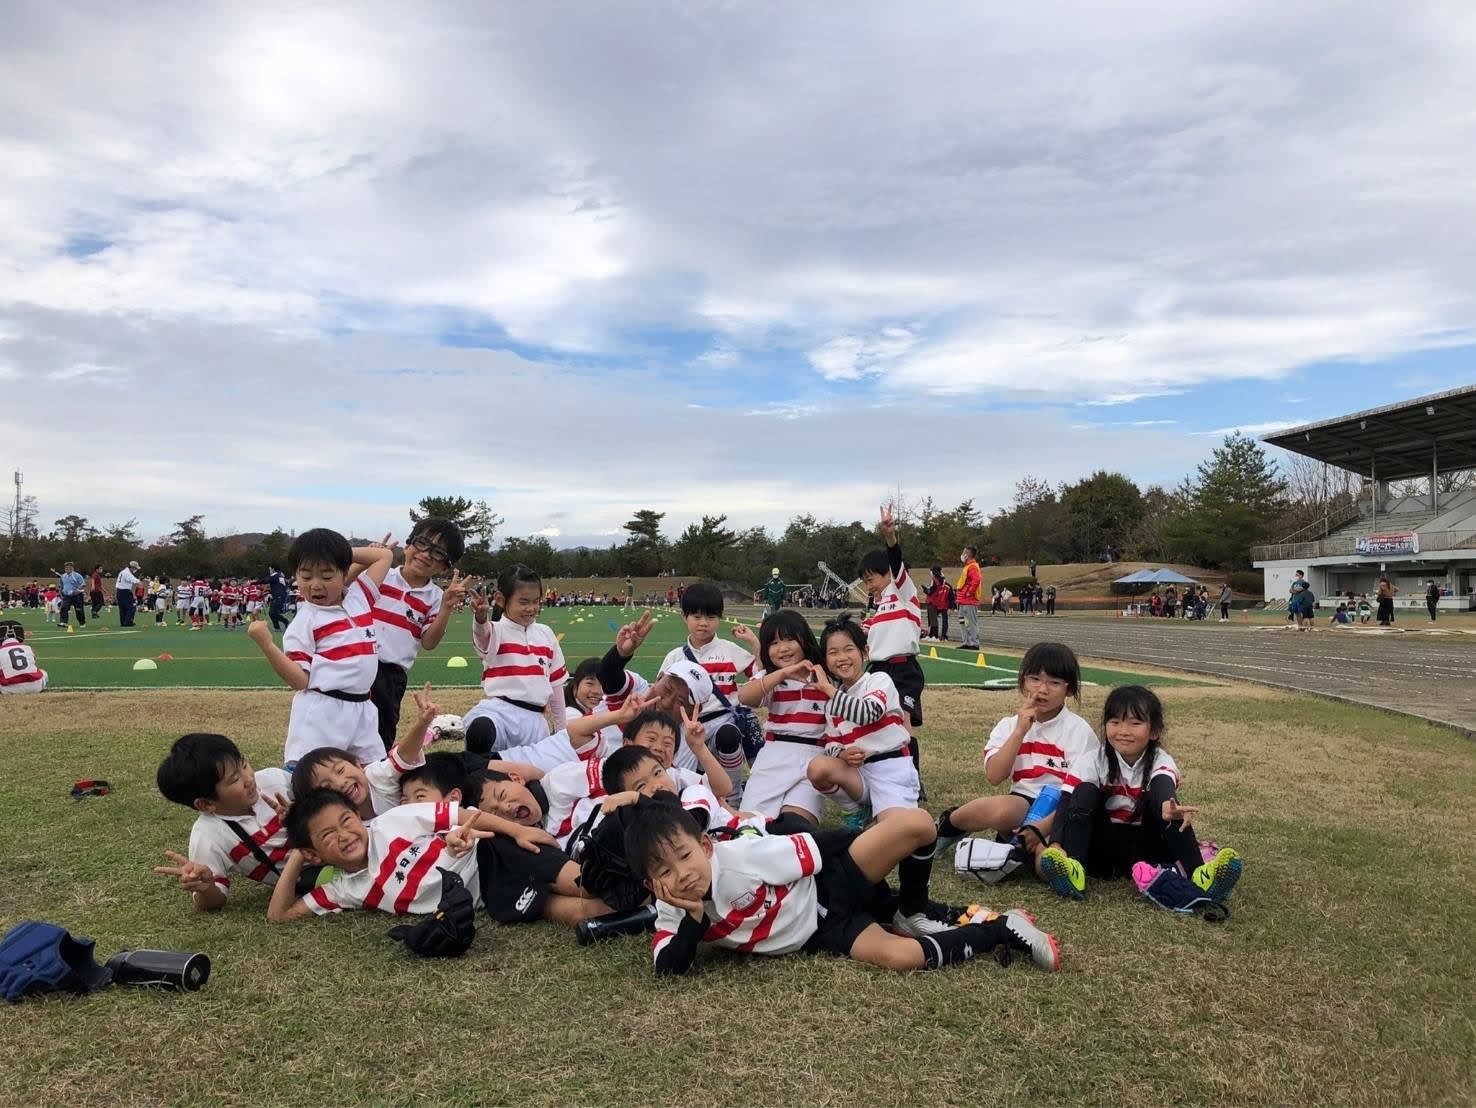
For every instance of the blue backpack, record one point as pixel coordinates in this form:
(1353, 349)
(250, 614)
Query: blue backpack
(38, 958)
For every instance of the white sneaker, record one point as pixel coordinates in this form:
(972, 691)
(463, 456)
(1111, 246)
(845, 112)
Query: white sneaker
(918, 925)
(1042, 946)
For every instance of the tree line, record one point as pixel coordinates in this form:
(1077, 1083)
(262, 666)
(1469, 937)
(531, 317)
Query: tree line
(1235, 499)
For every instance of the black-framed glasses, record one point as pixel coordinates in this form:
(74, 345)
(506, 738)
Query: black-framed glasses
(425, 546)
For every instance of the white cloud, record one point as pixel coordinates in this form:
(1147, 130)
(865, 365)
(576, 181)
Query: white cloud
(1253, 430)
(884, 209)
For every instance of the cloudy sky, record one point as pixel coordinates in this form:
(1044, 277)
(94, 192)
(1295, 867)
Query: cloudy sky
(302, 264)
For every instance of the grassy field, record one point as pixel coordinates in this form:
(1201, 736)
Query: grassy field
(101, 655)
(1344, 976)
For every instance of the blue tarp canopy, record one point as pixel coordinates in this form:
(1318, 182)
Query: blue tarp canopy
(1155, 577)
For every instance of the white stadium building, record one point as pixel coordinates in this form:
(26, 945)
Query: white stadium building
(1410, 539)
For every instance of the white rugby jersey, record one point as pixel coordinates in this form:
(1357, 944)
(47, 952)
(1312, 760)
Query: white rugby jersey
(573, 791)
(796, 713)
(1121, 796)
(609, 739)
(697, 796)
(17, 665)
(896, 626)
(519, 663)
(407, 852)
(1047, 752)
(888, 733)
(762, 899)
(337, 645)
(401, 616)
(723, 660)
(214, 844)
(384, 776)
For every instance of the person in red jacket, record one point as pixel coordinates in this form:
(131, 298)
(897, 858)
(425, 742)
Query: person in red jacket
(938, 596)
(968, 599)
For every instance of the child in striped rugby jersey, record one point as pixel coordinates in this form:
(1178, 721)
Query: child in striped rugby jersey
(1122, 810)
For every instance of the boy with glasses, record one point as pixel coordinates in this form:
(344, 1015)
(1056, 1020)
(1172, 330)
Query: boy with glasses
(412, 612)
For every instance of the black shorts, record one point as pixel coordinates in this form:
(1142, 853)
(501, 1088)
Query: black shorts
(515, 882)
(907, 675)
(848, 902)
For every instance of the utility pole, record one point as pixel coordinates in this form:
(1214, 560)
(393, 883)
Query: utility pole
(22, 513)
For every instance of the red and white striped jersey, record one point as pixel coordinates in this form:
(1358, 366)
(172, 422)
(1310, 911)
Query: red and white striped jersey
(887, 733)
(407, 852)
(17, 665)
(723, 660)
(519, 663)
(214, 844)
(384, 776)
(200, 588)
(796, 713)
(896, 626)
(573, 791)
(336, 645)
(230, 594)
(401, 617)
(1047, 752)
(1121, 796)
(253, 592)
(762, 899)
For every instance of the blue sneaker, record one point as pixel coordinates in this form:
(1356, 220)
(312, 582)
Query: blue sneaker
(857, 818)
(1063, 873)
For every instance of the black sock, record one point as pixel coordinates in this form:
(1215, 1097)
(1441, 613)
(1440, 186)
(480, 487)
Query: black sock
(481, 735)
(913, 874)
(960, 944)
(946, 826)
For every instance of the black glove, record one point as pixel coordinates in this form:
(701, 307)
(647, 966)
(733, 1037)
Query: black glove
(450, 931)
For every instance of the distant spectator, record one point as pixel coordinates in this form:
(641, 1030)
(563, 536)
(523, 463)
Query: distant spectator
(939, 596)
(1385, 596)
(1032, 567)
(1432, 598)
(96, 583)
(73, 593)
(124, 589)
(774, 592)
(1227, 594)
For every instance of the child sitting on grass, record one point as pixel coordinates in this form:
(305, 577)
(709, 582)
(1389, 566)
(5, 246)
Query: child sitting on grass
(19, 672)
(819, 891)
(1122, 809)
(237, 830)
(329, 654)
(1031, 749)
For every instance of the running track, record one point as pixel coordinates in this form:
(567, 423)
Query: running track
(1429, 676)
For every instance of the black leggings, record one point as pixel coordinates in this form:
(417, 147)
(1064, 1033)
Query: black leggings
(386, 693)
(1109, 849)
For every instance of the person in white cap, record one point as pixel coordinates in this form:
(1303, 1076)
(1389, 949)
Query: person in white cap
(127, 605)
(775, 590)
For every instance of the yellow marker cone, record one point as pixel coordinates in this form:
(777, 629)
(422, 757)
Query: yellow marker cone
(560, 636)
(980, 662)
(70, 629)
(932, 652)
(456, 661)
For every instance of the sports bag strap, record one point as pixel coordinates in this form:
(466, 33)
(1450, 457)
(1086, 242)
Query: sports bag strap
(252, 845)
(716, 692)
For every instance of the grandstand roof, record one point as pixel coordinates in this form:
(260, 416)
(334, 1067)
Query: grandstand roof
(1398, 441)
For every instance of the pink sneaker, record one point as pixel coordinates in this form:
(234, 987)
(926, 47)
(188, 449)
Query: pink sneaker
(1144, 874)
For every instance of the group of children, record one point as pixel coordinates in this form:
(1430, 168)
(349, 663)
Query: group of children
(604, 801)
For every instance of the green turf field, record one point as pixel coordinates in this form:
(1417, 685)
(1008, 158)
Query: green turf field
(102, 655)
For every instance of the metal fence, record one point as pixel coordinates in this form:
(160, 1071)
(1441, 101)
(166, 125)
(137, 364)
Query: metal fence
(1346, 545)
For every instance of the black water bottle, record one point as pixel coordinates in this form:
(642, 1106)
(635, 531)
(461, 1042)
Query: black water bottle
(169, 969)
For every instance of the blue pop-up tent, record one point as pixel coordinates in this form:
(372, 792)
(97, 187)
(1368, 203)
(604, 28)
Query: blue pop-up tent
(1155, 577)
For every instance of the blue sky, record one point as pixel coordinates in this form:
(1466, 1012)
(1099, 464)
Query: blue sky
(278, 264)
